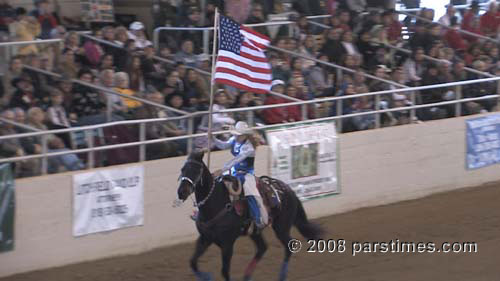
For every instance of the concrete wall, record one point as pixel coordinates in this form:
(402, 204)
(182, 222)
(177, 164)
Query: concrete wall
(377, 167)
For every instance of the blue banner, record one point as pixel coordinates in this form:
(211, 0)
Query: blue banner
(483, 141)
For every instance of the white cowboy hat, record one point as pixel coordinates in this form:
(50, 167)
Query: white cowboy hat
(136, 25)
(241, 128)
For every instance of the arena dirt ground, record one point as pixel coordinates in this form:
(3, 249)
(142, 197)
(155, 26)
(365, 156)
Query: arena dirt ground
(466, 215)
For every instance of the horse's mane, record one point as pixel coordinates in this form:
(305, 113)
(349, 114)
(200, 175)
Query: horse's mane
(197, 155)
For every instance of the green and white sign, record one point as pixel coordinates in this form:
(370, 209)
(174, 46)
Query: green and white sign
(7, 208)
(305, 158)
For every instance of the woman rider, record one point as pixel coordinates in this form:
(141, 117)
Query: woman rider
(243, 145)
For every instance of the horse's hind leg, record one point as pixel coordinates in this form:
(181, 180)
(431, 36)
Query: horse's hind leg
(261, 245)
(282, 226)
(202, 245)
(284, 237)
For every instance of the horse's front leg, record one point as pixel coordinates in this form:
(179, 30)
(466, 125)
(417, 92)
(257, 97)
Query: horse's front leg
(261, 245)
(227, 254)
(202, 245)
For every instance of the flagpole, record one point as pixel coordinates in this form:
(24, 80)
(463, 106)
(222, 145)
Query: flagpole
(212, 84)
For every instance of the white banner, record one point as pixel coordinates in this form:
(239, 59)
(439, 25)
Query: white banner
(305, 158)
(105, 200)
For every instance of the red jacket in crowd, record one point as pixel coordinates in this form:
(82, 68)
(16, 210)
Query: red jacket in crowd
(455, 39)
(280, 114)
(489, 22)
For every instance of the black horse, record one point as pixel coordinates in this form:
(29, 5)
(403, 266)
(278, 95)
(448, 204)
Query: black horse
(218, 222)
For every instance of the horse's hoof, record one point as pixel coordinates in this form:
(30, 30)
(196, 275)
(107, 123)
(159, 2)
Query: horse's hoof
(204, 276)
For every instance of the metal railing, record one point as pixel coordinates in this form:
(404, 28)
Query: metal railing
(44, 135)
(448, 27)
(206, 30)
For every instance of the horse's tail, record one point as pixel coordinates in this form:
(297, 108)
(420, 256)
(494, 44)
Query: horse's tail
(308, 229)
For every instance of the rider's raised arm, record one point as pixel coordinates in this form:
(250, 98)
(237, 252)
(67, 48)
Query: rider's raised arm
(246, 150)
(223, 144)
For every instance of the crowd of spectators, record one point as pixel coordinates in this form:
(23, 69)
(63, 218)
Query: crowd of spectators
(357, 37)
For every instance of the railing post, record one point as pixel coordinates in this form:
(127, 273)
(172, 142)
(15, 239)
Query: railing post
(412, 111)
(206, 41)
(190, 133)
(377, 114)
(109, 109)
(458, 97)
(44, 153)
(339, 113)
(250, 118)
(89, 135)
(305, 111)
(142, 138)
(203, 12)
(498, 93)
(339, 75)
(156, 39)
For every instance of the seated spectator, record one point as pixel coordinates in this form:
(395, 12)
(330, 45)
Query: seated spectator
(107, 62)
(293, 112)
(432, 96)
(14, 71)
(174, 84)
(106, 80)
(121, 36)
(197, 91)
(135, 74)
(65, 162)
(68, 65)
(348, 44)
(479, 90)
(453, 38)
(221, 120)
(24, 95)
(186, 54)
(93, 51)
(7, 15)
(414, 66)
(20, 117)
(40, 81)
(136, 33)
(59, 32)
(121, 82)
(157, 130)
(319, 79)
(275, 115)
(152, 70)
(45, 17)
(13, 147)
(192, 20)
(57, 117)
(25, 28)
(446, 18)
(490, 20)
(86, 103)
(248, 99)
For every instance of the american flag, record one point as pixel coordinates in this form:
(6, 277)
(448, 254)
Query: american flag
(241, 61)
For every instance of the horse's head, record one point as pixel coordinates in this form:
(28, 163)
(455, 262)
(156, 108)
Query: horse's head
(191, 175)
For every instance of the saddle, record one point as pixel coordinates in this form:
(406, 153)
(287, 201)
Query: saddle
(271, 191)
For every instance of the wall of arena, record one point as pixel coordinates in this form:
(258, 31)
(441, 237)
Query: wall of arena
(377, 167)
(68, 8)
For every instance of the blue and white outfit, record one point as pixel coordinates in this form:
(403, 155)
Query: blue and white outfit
(242, 167)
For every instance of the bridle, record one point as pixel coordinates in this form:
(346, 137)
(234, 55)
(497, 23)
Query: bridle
(194, 183)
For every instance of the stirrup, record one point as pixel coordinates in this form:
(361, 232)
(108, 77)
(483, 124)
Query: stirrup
(194, 216)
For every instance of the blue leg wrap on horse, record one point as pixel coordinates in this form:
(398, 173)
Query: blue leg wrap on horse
(254, 208)
(284, 271)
